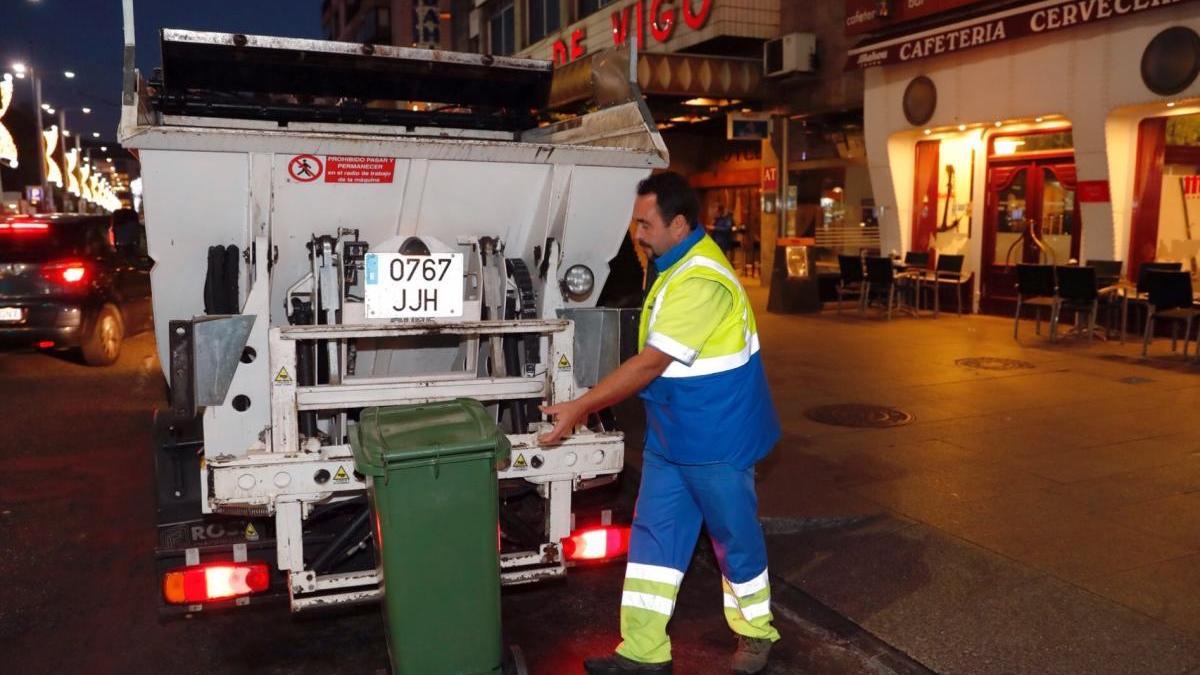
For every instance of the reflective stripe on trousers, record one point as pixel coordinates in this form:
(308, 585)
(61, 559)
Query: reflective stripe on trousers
(673, 502)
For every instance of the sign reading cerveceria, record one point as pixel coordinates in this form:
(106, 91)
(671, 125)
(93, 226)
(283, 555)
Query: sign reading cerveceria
(1032, 19)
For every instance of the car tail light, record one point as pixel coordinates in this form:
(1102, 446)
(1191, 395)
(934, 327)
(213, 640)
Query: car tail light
(600, 543)
(23, 227)
(70, 273)
(214, 581)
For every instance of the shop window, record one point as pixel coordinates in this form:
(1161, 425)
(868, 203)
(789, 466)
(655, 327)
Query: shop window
(1011, 212)
(1058, 215)
(543, 18)
(587, 7)
(1179, 197)
(1040, 142)
(501, 30)
(376, 27)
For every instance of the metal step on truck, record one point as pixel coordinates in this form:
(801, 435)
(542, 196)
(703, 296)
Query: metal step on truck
(339, 226)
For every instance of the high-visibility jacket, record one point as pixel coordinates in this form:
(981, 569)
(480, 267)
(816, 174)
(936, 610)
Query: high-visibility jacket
(712, 404)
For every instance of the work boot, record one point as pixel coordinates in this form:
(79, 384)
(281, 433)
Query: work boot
(617, 664)
(751, 655)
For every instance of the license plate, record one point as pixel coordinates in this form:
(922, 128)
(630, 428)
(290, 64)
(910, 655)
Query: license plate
(414, 286)
(10, 314)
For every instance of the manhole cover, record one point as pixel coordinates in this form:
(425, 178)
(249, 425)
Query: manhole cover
(858, 415)
(1134, 379)
(993, 363)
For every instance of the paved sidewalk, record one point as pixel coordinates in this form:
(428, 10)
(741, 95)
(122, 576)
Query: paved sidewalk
(1043, 519)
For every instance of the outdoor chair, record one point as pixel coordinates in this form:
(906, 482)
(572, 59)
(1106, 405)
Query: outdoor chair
(1108, 272)
(881, 281)
(916, 259)
(1143, 284)
(1108, 279)
(1077, 292)
(1170, 297)
(1035, 286)
(850, 279)
(947, 272)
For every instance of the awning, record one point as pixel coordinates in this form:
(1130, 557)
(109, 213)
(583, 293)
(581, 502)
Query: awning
(711, 76)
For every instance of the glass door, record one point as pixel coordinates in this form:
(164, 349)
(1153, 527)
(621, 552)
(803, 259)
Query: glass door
(1037, 195)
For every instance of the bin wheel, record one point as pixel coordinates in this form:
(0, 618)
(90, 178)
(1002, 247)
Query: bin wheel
(514, 663)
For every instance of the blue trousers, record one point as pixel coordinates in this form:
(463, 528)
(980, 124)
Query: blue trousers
(675, 499)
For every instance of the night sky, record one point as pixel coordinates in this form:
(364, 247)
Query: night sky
(85, 36)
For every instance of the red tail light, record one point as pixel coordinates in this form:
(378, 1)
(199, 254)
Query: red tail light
(600, 543)
(70, 273)
(214, 581)
(23, 227)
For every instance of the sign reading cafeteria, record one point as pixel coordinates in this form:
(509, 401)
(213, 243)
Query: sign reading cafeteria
(1021, 21)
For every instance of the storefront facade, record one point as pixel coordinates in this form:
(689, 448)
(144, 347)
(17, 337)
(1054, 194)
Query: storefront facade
(983, 124)
(781, 150)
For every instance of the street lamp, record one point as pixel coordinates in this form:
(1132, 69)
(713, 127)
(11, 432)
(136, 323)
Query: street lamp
(21, 70)
(70, 158)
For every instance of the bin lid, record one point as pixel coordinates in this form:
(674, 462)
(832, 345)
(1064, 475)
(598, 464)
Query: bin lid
(405, 434)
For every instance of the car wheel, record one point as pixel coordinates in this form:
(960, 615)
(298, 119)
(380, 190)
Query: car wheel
(103, 346)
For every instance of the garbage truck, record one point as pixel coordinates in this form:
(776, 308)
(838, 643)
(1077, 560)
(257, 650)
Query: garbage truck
(338, 227)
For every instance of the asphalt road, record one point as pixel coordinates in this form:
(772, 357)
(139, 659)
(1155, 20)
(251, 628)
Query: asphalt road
(79, 593)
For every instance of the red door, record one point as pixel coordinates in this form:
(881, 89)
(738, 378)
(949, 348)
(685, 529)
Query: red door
(1037, 193)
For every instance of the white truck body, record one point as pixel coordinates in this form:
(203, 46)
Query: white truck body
(294, 198)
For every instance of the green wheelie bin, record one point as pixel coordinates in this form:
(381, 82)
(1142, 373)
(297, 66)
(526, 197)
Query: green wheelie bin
(431, 471)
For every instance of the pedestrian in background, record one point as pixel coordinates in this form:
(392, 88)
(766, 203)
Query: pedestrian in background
(722, 230)
(709, 420)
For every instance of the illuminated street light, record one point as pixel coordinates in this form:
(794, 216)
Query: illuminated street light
(53, 173)
(8, 147)
(86, 110)
(95, 134)
(48, 172)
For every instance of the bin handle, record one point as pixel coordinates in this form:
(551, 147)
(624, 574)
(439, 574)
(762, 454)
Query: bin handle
(382, 443)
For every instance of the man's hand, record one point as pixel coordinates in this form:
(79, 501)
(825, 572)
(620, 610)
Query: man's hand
(566, 417)
(627, 380)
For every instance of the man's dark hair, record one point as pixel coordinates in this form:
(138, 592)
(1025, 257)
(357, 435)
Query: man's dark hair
(674, 196)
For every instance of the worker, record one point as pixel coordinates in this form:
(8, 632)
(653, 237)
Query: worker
(709, 419)
(722, 230)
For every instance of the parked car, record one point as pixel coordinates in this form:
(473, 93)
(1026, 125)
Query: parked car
(74, 282)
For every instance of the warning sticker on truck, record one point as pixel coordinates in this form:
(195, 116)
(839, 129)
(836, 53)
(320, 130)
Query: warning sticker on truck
(304, 168)
(342, 169)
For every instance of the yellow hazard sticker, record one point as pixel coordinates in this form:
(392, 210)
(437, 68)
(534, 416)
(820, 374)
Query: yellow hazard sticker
(563, 363)
(520, 462)
(341, 476)
(251, 532)
(282, 377)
